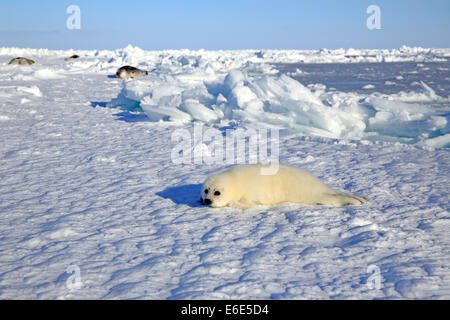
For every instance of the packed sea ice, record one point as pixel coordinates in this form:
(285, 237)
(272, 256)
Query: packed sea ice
(92, 205)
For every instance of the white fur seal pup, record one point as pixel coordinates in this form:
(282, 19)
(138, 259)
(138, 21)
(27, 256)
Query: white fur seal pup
(127, 72)
(244, 186)
(21, 61)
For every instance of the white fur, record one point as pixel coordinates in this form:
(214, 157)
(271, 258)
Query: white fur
(244, 186)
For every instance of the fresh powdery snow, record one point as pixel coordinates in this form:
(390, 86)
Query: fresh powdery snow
(99, 201)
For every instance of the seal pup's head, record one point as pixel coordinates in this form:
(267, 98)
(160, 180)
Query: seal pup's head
(217, 191)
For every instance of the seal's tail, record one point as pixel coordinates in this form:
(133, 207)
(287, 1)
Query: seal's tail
(344, 199)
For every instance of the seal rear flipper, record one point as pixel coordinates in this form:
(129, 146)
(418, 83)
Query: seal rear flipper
(343, 199)
(360, 199)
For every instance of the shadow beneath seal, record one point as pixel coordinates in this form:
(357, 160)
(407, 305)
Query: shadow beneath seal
(188, 194)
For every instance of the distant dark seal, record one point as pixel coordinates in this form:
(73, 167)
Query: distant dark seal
(21, 61)
(128, 72)
(75, 56)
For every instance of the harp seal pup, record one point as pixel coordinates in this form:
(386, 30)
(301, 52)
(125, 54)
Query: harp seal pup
(21, 61)
(128, 72)
(245, 186)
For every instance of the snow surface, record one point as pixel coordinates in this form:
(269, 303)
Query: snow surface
(87, 178)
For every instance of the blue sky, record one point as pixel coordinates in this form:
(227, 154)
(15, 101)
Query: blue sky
(225, 24)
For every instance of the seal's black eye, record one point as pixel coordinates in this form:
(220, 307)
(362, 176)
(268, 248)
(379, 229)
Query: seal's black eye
(206, 191)
(217, 193)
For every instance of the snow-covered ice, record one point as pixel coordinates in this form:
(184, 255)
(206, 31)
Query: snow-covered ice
(87, 182)
(201, 88)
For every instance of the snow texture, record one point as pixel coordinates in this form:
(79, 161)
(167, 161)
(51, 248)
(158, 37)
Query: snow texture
(92, 207)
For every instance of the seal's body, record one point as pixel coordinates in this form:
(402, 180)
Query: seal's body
(21, 61)
(128, 72)
(246, 186)
(73, 57)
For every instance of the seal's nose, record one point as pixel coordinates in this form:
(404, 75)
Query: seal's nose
(207, 201)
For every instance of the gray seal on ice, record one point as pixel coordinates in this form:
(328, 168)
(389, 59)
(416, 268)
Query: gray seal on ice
(72, 57)
(246, 186)
(21, 61)
(128, 72)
